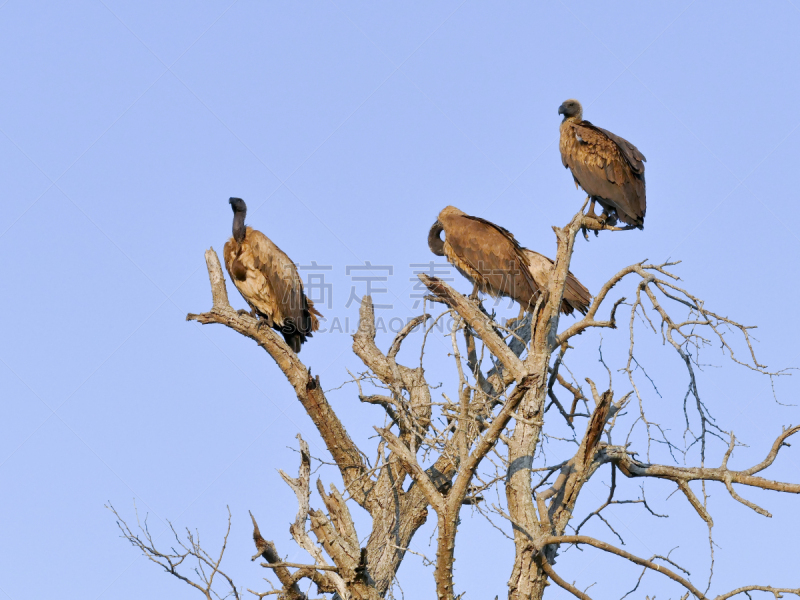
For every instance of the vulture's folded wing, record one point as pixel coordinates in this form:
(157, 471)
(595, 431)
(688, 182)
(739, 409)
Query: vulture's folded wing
(491, 251)
(631, 153)
(282, 274)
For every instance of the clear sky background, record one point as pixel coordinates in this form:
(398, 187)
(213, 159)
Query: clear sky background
(347, 126)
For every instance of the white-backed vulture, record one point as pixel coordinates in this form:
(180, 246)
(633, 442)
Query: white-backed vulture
(496, 264)
(609, 168)
(268, 281)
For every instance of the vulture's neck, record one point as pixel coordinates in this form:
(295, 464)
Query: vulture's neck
(238, 226)
(435, 242)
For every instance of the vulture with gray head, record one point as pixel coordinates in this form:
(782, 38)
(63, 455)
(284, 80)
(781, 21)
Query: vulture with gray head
(496, 264)
(268, 281)
(609, 168)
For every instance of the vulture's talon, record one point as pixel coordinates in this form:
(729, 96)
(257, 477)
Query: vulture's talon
(609, 220)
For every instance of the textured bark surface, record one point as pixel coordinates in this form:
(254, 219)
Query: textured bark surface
(527, 579)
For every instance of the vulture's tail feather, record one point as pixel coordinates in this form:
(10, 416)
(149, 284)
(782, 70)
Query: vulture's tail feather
(294, 340)
(312, 316)
(293, 336)
(577, 295)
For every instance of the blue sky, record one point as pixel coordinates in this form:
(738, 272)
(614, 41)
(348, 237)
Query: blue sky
(347, 126)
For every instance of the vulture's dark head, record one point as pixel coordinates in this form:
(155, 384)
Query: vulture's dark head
(435, 242)
(238, 205)
(571, 109)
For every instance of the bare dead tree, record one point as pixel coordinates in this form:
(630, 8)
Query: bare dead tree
(488, 436)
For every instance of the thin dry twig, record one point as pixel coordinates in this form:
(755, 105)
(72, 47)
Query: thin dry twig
(177, 562)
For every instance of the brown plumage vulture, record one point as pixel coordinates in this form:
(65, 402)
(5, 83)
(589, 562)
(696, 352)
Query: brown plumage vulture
(609, 168)
(496, 264)
(268, 281)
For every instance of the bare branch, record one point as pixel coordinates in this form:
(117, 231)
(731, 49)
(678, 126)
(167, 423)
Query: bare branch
(589, 320)
(413, 418)
(403, 334)
(420, 476)
(683, 475)
(695, 502)
(545, 566)
(478, 321)
(347, 456)
(776, 592)
(173, 562)
(582, 539)
(284, 565)
(267, 550)
(301, 487)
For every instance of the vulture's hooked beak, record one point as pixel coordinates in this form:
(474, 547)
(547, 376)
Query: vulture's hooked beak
(562, 110)
(237, 204)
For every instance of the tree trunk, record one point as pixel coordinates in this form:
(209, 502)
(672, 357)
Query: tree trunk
(445, 555)
(527, 580)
